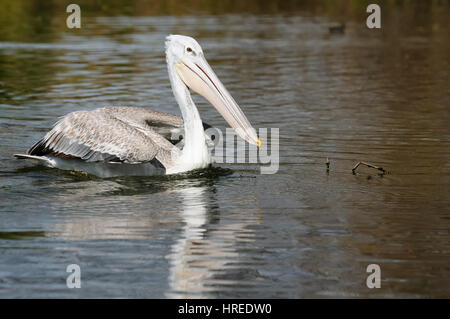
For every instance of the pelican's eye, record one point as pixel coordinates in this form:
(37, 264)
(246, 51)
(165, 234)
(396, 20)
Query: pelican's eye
(190, 51)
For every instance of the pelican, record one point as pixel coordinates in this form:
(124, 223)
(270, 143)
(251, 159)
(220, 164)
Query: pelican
(118, 140)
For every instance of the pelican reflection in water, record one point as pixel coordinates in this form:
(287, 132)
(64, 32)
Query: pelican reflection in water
(114, 141)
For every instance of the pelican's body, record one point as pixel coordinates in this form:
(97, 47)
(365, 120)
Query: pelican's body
(114, 141)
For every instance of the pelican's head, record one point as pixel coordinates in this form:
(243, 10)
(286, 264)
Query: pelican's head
(190, 65)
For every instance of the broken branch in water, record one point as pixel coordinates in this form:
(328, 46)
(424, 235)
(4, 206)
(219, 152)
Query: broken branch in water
(368, 165)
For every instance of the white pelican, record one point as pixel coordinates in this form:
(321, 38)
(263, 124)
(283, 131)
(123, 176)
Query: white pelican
(113, 141)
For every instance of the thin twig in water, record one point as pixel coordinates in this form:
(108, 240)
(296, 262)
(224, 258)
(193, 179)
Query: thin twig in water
(368, 165)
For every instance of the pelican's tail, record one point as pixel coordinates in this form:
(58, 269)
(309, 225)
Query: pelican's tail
(100, 169)
(44, 159)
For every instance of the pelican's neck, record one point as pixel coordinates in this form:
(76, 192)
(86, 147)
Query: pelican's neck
(195, 151)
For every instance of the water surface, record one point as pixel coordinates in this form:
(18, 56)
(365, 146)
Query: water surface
(379, 96)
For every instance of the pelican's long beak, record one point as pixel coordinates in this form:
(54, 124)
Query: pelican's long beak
(196, 73)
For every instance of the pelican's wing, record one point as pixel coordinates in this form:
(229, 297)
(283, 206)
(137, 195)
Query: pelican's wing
(167, 125)
(115, 134)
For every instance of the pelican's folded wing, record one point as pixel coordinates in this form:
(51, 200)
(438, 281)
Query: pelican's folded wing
(167, 125)
(99, 135)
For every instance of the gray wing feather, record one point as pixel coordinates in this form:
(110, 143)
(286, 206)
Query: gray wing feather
(105, 134)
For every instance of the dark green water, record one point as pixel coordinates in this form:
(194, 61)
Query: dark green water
(380, 96)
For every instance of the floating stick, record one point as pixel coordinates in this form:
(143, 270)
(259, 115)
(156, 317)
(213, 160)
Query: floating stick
(368, 165)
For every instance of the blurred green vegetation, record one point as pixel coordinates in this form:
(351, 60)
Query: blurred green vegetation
(15, 9)
(37, 20)
(21, 235)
